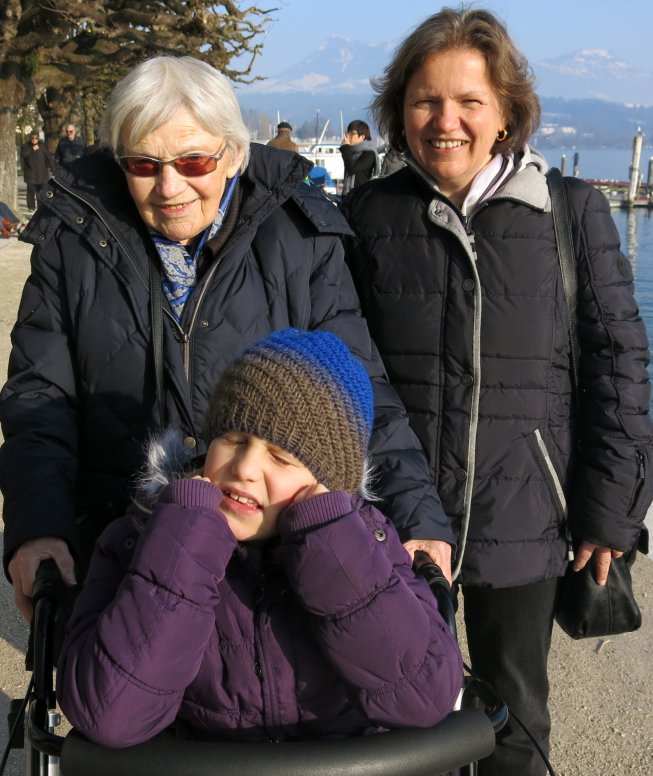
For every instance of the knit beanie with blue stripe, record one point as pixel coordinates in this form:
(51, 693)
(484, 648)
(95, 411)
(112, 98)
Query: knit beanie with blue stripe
(304, 392)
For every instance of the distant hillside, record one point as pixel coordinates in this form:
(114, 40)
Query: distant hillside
(592, 123)
(589, 97)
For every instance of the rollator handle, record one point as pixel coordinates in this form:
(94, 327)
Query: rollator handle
(478, 693)
(48, 582)
(441, 588)
(432, 573)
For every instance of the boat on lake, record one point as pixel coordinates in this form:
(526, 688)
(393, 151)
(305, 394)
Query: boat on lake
(325, 154)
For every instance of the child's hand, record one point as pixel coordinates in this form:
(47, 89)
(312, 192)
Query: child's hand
(199, 477)
(309, 491)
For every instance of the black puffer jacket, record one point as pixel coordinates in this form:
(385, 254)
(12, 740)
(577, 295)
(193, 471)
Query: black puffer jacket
(471, 325)
(78, 406)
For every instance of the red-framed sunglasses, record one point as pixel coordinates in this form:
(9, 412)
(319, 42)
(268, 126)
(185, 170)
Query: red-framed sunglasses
(188, 165)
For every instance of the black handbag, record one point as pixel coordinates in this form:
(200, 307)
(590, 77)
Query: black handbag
(585, 609)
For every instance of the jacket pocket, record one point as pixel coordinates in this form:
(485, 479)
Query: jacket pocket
(544, 459)
(640, 496)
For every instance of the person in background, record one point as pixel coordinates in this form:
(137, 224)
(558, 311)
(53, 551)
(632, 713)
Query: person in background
(69, 147)
(155, 260)
(280, 498)
(392, 161)
(283, 138)
(456, 265)
(37, 167)
(358, 155)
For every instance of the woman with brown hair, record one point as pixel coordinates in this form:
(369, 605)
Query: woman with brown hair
(456, 264)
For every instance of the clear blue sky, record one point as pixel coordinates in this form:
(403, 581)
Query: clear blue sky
(543, 30)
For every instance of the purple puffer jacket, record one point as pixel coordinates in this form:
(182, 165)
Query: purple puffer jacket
(327, 633)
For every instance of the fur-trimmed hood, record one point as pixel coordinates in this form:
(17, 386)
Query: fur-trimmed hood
(166, 459)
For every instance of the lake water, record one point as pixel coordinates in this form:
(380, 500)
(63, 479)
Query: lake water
(635, 226)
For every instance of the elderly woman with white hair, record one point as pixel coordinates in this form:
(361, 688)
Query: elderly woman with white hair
(156, 260)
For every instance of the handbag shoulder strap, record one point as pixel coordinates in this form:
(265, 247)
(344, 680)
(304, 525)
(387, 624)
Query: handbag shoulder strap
(567, 258)
(156, 324)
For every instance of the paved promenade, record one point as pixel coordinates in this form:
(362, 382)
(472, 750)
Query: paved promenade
(602, 690)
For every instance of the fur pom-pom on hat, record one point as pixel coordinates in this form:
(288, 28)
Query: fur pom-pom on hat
(305, 392)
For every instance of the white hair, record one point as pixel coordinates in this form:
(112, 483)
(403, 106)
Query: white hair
(151, 94)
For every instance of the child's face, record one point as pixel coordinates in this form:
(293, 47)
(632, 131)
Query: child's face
(258, 480)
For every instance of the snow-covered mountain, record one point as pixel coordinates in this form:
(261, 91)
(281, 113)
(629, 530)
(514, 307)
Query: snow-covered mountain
(338, 65)
(594, 74)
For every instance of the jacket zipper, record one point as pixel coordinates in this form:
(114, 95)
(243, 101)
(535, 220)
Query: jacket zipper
(476, 396)
(262, 666)
(557, 485)
(187, 336)
(470, 250)
(640, 476)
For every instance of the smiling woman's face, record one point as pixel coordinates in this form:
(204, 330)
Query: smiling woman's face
(451, 119)
(180, 208)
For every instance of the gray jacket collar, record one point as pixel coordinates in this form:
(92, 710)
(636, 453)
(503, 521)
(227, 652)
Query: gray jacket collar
(527, 183)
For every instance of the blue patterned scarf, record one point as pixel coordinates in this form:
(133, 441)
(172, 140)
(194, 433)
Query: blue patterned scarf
(179, 265)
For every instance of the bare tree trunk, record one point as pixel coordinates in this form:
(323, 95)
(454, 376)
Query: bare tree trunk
(92, 105)
(55, 106)
(11, 97)
(8, 171)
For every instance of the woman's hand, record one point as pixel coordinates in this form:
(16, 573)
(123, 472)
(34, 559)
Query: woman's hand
(24, 565)
(604, 556)
(438, 552)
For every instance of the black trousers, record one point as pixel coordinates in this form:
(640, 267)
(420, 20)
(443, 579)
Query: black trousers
(509, 637)
(32, 190)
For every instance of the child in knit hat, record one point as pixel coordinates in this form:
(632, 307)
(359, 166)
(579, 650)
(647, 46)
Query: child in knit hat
(263, 598)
